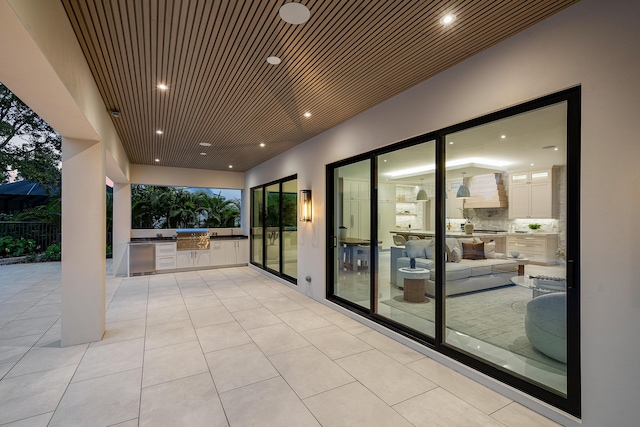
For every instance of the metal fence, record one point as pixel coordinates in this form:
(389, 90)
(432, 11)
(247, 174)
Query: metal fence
(44, 234)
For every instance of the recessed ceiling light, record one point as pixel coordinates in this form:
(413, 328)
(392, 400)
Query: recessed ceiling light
(555, 149)
(531, 164)
(230, 166)
(307, 114)
(262, 144)
(447, 19)
(385, 160)
(294, 13)
(157, 160)
(203, 154)
(503, 136)
(451, 143)
(159, 132)
(274, 60)
(204, 144)
(162, 86)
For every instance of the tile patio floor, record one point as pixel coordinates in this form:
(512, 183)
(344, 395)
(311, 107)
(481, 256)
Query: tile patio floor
(226, 347)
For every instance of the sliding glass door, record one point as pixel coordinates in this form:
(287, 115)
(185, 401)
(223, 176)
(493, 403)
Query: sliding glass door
(407, 229)
(274, 225)
(350, 233)
(468, 239)
(506, 299)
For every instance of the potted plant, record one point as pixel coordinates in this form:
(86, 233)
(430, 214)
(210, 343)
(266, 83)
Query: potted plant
(534, 226)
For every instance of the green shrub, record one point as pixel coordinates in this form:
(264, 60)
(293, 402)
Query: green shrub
(52, 253)
(10, 247)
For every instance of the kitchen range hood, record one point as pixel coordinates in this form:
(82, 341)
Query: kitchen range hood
(487, 191)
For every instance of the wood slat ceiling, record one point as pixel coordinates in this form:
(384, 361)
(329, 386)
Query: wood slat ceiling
(350, 56)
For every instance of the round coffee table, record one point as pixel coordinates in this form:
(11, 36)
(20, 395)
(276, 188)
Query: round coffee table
(414, 281)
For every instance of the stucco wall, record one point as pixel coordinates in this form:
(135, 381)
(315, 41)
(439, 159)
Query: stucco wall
(593, 44)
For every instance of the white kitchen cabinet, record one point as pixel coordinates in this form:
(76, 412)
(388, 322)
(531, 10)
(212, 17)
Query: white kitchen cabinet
(539, 249)
(236, 252)
(195, 258)
(229, 252)
(531, 194)
(165, 256)
(355, 190)
(356, 217)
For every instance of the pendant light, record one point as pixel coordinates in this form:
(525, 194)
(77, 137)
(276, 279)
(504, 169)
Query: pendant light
(463, 190)
(422, 195)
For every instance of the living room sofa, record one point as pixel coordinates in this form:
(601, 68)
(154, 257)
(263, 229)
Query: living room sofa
(490, 270)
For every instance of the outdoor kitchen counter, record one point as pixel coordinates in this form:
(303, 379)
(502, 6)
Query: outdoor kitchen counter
(173, 239)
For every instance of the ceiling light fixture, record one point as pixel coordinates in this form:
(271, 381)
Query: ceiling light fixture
(447, 19)
(230, 166)
(203, 154)
(422, 194)
(503, 136)
(274, 60)
(294, 13)
(463, 190)
(157, 160)
(115, 113)
(307, 114)
(162, 86)
(159, 132)
(262, 144)
(204, 144)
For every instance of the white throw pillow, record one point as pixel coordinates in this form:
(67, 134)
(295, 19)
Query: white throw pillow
(456, 255)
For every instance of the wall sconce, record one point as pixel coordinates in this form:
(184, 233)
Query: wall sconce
(305, 205)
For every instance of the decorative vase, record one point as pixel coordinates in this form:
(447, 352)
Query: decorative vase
(468, 228)
(342, 232)
(412, 263)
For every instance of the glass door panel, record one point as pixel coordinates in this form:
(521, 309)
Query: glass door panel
(406, 229)
(273, 229)
(290, 228)
(505, 282)
(257, 240)
(352, 222)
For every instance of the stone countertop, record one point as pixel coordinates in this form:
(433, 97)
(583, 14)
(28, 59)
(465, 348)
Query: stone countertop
(173, 239)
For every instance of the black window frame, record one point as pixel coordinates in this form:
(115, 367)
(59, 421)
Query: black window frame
(572, 96)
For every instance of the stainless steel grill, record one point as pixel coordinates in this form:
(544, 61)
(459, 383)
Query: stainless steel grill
(190, 239)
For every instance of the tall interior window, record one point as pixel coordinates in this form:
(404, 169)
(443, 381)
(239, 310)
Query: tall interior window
(274, 225)
(467, 239)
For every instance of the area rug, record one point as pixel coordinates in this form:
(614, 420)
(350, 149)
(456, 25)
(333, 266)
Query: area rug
(493, 316)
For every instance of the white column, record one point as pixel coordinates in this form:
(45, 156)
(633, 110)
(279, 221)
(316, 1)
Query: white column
(83, 241)
(121, 227)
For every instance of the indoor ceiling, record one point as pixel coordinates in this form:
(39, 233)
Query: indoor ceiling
(348, 57)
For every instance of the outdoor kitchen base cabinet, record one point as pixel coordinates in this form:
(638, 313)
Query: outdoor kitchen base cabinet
(229, 252)
(196, 258)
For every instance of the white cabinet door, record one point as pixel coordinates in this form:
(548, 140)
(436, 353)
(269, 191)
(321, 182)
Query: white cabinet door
(201, 258)
(243, 252)
(217, 253)
(231, 252)
(364, 220)
(184, 259)
(165, 263)
(519, 201)
(540, 200)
